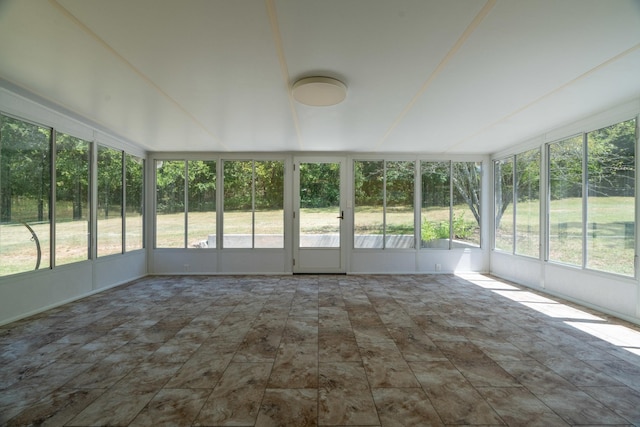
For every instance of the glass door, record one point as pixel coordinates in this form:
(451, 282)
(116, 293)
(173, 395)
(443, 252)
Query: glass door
(318, 236)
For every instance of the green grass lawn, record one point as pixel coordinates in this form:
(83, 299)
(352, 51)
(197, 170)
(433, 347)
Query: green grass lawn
(610, 246)
(610, 234)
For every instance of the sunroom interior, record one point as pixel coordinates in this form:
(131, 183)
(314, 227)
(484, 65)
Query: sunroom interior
(164, 138)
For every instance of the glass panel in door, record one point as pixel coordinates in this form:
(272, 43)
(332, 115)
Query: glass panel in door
(320, 205)
(319, 218)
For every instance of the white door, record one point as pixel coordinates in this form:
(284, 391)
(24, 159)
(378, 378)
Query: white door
(318, 224)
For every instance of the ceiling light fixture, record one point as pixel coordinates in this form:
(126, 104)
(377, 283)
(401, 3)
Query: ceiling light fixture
(319, 91)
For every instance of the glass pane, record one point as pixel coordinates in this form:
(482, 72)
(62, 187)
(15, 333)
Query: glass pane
(565, 207)
(134, 203)
(170, 228)
(109, 201)
(435, 212)
(269, 204)
(503, 180)
(319, 205)
(466, 204)
(528, 203)
(25, 188)
(202, 204)
(611, 202)
(399, 218)
(238, 204)
(72, 199)
(369, 208)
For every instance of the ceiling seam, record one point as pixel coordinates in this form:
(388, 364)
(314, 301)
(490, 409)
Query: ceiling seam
(443, 63)
(284, 70)
(139, 73)
(548, 94)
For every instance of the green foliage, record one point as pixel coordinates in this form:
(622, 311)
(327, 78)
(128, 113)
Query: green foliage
(25, 158)
(434, 230)
(319, 185)
(369, 177)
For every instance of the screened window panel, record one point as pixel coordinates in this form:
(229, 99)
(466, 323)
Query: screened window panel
(202, 204)
(109, 201)
(25, 196)
(527, 218)
(611, 198)
(435, 213)
(134, 206)
(369, 204)
(73, 214)
(466, 204)
(269, 204)
(170, 209)
(399, 211)
(503, 191)
(238, 204)
(565, 206)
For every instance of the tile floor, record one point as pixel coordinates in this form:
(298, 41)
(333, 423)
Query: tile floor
(319, 350)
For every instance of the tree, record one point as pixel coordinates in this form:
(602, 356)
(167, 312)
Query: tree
(72, 173)
(25, 176)
(109, 180)
(466, 179)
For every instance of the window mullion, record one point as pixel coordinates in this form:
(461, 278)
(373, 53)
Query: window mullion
(52, 196)
(186, 203)
(514, 194)
(384, 204)
(585, 196)
(450, 204)
(253, 204)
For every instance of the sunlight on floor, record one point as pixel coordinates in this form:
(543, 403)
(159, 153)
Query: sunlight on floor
(618, 335)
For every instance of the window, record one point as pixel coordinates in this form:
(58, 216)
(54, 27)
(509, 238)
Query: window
(201, 219)
(527, 208)
(25, 194)
(368, 212)
(611, 198)
(134, 203)
(109, 201)
(436, 205)
(399, 205)
(450, 211)
(384, 209)
(565, 205)
(253, 204)
(517, 204)
(73, 158)
(170, 204)
(601, 165)
(503, 191)
(269, 204)
(465, 220)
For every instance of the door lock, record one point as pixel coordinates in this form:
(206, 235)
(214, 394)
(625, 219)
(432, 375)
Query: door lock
(341, 215)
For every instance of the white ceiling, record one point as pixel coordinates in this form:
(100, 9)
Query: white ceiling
(438, 76)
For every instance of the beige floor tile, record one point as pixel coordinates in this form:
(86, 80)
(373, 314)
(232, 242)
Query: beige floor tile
(344, 395)
(315, 350)
(289, 407)
(172, 407)
(405, 407)
(237, 397)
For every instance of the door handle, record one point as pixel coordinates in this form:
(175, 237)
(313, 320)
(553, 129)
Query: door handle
(341, 215)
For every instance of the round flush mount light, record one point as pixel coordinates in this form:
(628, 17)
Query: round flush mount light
(319, 91)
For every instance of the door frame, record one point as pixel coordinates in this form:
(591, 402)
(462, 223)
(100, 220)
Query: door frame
(300, 254)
